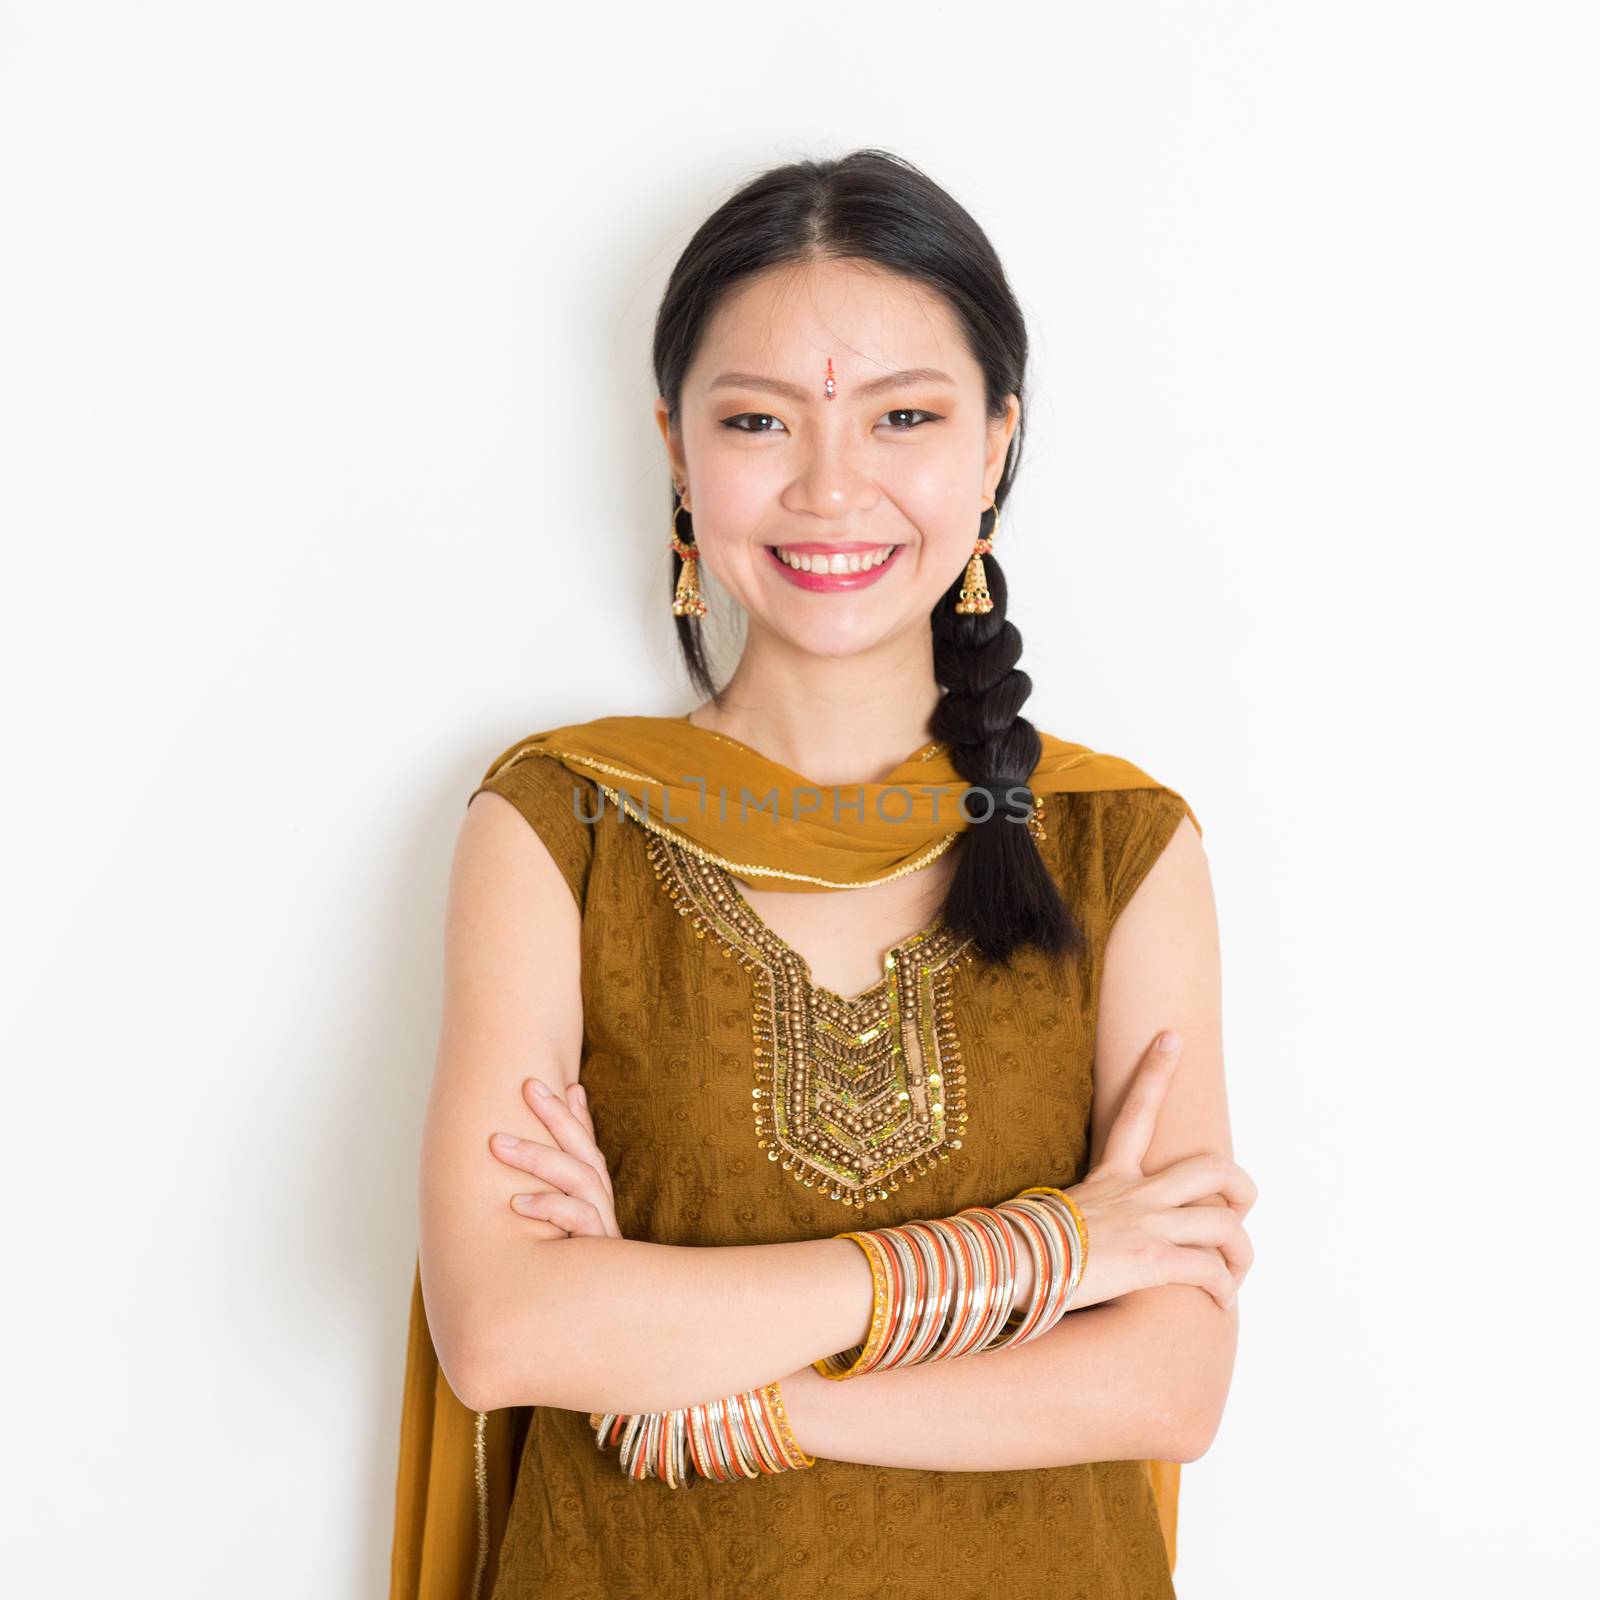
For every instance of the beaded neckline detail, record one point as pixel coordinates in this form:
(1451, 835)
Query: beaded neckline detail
(856, 1094)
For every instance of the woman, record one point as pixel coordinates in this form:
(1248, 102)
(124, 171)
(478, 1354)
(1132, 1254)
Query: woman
(828, 972)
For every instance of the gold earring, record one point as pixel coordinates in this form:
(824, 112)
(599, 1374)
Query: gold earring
(974, 600)
(686, 599)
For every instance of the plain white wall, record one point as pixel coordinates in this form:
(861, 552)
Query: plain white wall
(323, 323)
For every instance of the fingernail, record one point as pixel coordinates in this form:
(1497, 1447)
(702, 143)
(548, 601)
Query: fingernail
(1231, 1299)
(583, 1094)
(1169, 1040)
(540, 1089)
(507, 1141)
(523, 1202)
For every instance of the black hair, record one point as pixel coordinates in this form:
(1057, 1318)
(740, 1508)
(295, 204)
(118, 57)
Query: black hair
(877, 207)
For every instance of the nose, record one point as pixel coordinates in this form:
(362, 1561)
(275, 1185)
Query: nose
(830, 480)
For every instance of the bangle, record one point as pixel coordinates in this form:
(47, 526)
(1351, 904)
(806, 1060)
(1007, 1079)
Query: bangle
(1079, 1225)
(945, 1288)
(743, 1436)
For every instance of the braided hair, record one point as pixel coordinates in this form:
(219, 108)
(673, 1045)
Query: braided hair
(875, 206)
(1002, 892)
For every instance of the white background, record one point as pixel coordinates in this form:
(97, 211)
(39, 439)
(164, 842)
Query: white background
(329, 472)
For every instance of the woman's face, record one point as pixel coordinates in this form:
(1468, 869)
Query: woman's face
(779, 477)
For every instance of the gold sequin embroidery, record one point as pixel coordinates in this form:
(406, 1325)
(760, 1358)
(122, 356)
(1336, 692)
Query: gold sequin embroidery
(480, 1423)
(853, 1094)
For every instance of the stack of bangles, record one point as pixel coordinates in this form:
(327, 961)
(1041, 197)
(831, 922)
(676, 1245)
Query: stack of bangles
(941, 1290)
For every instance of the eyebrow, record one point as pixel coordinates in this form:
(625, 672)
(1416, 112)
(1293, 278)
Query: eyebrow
(793, 391)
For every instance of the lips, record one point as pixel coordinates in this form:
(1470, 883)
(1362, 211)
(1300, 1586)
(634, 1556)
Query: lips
(833, 582)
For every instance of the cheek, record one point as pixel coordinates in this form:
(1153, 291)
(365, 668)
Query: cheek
(937, 482)
(737, 563)
(945, 507)
(733, 492)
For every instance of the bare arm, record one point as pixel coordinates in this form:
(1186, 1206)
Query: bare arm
(1163, 969)
(521, 1314)
(1141, 1377)
(1082, 1392)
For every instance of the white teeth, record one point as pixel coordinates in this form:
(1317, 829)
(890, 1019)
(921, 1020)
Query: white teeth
(857, 561)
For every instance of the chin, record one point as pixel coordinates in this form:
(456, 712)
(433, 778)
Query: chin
(843, 637)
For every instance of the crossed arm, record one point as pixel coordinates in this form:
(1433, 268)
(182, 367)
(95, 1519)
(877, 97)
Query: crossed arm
(622, 1325)
(1119, 1381)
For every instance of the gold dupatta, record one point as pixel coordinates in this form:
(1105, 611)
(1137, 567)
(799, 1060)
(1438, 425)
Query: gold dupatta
(759, 820)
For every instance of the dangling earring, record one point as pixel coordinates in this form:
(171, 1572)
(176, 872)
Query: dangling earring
(974, 600)
(686, 600)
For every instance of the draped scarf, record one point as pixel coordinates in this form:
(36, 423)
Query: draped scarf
(765, 821)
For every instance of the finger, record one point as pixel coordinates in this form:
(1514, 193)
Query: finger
(1205, 1269)
(1195, 1177)
(1218, 1226)
(581, 1140)
(1233, 1206)
(578, 1105)
(1240, 1183)
(567, 1172)
(1135, 1123)
(578, 1217)
(569, 1133)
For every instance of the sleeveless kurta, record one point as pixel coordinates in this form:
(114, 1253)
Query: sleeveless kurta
(961, 1083)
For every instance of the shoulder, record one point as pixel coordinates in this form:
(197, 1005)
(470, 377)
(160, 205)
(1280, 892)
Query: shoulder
(533, 770)
(1137, 828)
(1110, 834)
(558, 805)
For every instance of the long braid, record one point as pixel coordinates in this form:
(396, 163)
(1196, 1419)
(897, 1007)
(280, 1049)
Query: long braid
(1002, 893)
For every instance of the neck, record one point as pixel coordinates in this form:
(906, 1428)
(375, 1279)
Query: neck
(838, 720)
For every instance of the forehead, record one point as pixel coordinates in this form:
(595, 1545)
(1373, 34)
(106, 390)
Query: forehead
(790, 321)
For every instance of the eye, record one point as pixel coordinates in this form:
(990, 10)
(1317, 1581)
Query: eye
(760, 416)
(908, 412)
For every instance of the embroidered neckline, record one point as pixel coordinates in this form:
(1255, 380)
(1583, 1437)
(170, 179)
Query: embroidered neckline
(858, 1093)
(758, 932)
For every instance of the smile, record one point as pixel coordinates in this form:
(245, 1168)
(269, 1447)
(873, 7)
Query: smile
(830, 567)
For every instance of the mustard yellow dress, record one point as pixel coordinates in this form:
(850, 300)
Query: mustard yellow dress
(692, 1003)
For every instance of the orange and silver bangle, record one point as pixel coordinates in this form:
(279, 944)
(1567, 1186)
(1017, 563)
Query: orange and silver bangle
(743, 1436)
(945, 1288)
(1080, 1227)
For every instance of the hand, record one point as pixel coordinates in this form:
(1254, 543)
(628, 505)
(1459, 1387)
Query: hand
(1146, 1231)
(581, 1199)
